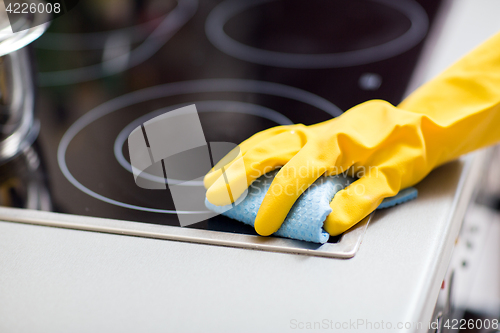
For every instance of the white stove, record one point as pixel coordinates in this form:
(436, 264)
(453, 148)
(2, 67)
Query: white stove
(95, 265)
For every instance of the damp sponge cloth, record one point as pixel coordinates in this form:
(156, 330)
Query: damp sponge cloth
(306, 217)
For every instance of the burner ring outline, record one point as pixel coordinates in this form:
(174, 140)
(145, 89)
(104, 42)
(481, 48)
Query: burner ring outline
(168, 27)
(214, 29)
(202, 107)
(172, 89)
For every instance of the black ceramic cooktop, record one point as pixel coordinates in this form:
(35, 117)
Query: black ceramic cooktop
(247, 65)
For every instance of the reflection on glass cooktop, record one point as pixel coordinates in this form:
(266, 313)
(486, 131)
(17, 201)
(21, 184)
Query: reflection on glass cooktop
(246, 65)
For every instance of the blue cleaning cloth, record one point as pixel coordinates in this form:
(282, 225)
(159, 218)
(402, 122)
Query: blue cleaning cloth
(306, 217)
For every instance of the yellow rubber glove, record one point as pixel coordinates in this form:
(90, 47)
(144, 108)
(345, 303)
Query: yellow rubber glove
(390, 147)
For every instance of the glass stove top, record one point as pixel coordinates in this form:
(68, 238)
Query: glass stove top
(247, 66)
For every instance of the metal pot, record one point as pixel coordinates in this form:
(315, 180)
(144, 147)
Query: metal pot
(18, 127)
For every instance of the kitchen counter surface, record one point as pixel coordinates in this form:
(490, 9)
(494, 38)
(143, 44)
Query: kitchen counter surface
(61, 280)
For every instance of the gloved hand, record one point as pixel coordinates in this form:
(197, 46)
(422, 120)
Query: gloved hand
(389, 147)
